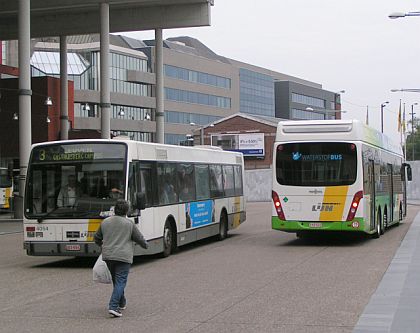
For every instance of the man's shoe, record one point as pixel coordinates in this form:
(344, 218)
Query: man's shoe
(115, 313)
(122, 307)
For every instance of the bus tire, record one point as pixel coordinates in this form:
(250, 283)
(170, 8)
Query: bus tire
(223, 227)
(169, 242)
(377, 232)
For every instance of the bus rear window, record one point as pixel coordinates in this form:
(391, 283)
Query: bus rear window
(316, 164)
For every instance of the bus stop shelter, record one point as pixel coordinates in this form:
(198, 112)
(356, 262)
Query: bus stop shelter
(25, 19)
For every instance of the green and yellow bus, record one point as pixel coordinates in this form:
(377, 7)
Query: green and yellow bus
(336, 175)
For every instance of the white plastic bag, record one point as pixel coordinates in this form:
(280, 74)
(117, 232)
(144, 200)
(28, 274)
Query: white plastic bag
(101, 273)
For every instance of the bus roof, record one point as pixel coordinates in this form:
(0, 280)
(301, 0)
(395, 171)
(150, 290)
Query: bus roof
(334, 130)
(162, 152)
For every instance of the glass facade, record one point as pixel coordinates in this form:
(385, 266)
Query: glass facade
(130, 112)
(197, 77)
(174, 139)
(188, 118)
(256, 93)
(83, 68)
(308, 100)
(185, 96)
(49, 63)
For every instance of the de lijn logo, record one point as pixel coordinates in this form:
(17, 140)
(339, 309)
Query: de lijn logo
(296, 156)
(324, 207)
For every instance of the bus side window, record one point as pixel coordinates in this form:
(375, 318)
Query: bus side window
(216, 181)
(166, 175)
(238, 180)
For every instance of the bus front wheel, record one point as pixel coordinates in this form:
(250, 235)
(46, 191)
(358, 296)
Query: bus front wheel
(168, 239)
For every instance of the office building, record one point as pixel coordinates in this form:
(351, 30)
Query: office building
(201, 87)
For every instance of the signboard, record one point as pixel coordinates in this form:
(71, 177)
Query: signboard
(249, 144)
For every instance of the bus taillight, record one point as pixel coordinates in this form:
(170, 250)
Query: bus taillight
(354, 205)
(277, 205)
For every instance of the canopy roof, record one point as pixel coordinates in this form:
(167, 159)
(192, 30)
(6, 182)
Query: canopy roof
(73, 17)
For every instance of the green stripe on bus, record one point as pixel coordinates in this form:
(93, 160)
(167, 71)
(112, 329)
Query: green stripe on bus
(292, 226)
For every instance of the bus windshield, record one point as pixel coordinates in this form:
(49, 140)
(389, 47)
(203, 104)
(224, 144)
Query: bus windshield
(75, 180)
(316, 164)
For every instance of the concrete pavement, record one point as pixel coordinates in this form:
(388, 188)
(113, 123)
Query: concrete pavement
(395, 305)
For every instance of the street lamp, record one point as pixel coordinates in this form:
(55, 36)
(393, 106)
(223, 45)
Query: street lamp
(397, 15)
(382, 115)
(415, 90)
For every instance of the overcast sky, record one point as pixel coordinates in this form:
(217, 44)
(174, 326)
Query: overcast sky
(348, 45)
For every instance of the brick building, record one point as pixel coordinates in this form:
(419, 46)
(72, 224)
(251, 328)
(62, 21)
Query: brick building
(252, 135)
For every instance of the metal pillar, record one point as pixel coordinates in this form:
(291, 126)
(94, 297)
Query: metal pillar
(64, 96)
(25, 92)
(412, 132)
(160, 115)
(104, 81)
(382, 118)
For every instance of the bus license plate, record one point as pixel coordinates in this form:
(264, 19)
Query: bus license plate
(73, 247)
(315, 225)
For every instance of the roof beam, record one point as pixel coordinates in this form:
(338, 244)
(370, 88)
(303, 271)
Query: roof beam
(133, 16)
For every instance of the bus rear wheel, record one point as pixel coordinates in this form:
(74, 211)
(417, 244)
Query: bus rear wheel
(384, 223)
(223, 227)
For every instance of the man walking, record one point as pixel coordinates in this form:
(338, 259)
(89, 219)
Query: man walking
(117, 235)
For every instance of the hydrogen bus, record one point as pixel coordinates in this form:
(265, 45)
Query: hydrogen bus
(336, 175)
(6, 188)
(177, 194)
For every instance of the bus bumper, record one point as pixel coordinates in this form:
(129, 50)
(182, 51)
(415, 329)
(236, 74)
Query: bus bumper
(293, 226)
(71, 249)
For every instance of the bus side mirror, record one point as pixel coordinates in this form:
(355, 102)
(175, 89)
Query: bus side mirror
(409, 172)
(140, 201)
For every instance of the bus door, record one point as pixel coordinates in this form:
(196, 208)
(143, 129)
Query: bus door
(391, 193)
(371, 188)
(140, 181)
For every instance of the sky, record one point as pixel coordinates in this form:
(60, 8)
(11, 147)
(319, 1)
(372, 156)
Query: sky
(348, 45)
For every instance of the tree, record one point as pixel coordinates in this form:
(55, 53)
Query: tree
(413, 143)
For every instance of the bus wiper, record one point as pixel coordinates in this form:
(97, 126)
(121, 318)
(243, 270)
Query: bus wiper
(43, 217)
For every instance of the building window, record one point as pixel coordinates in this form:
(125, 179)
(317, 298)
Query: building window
(197, 98)
(175, 117)
(256, 93)
(308, 100)
(297, 114)
(135, 136)
(198, 77)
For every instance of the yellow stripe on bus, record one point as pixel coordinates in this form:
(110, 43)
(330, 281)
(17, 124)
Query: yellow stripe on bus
(333, 203)
(8, 195)
(93, 225)
(237, 214)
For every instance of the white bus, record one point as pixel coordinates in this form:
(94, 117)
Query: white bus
(6, 188)
(336, 175)
(177, 194)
